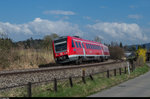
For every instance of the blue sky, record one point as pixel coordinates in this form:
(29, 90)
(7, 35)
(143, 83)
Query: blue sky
(126, 21)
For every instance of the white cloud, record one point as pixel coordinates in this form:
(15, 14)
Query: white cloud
(105, 30)
(134, 16)
(42, 27)
(119, 30)
(59, 12)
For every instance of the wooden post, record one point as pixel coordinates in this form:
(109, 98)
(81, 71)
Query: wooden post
(29, 89)
(114, 72)
(83, 79)
(91, 77)
(107, 73)
(83, 72)
(120, 71)
(55, 84)
(70, 80)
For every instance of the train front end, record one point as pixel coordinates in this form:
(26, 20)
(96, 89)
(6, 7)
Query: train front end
(60, 50)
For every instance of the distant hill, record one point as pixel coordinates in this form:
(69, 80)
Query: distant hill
(147, 46)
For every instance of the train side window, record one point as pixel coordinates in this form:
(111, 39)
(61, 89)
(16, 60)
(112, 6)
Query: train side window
(82, 45)
(96, 47)
(76, 44)
(73, 44)
(86, 45)
(99, 47)
(79, 44)
(90, 46)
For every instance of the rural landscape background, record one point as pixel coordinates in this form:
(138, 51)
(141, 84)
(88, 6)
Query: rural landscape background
(32, 53)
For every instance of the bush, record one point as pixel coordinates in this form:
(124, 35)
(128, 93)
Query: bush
(116, 52)
(141, 54)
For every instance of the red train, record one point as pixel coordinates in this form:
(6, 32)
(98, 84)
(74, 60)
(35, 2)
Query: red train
(74, 49)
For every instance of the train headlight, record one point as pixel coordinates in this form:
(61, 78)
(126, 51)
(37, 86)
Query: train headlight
(57, 54)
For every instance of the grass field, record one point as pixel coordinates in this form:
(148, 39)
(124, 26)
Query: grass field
(79, 89)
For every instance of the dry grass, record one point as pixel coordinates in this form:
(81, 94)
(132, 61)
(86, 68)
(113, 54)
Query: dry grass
(28, 58)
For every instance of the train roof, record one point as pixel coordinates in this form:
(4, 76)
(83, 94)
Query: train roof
(84, 39)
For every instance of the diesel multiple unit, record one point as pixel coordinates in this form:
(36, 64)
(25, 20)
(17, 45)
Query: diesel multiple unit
(75, 49)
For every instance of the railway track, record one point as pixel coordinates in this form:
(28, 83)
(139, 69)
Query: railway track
(20, 77)
(56, 67)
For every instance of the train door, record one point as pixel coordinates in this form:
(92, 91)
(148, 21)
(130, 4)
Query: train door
(83, 49)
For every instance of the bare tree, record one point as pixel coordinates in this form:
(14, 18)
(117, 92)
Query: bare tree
(3, 35)
(97, 39)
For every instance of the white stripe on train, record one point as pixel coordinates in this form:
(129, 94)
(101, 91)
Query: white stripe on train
(85, 55)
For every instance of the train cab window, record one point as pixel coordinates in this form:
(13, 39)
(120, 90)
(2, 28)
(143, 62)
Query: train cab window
(76, 44)
(73, 44)
(79, 44)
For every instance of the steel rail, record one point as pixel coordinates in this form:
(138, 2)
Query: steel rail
(10, 72)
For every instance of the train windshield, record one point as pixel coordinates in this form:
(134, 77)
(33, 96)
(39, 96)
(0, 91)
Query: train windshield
(60, 45)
